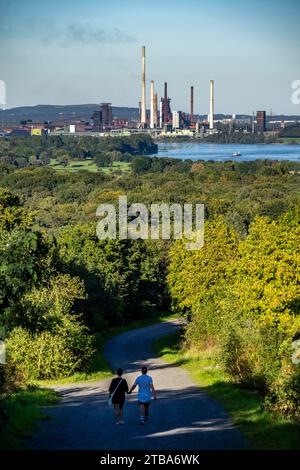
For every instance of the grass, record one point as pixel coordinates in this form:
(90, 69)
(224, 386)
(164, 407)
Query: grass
(261, 428)
(123, 167)
(77, 165)
(19, 413)
(100, 369)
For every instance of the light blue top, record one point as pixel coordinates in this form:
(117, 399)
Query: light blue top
(144, 382)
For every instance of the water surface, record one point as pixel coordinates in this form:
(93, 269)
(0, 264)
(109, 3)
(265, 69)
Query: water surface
(224, 152)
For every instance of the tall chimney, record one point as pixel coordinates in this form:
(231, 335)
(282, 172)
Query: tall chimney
(143, 103)
(212, 105)
(152, 104)
(155, 110)
(192, 105)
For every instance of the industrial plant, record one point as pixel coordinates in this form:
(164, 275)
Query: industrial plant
(164, 119)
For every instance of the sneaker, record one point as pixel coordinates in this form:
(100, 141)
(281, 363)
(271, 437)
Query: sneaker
(142, 421)
(121, 422)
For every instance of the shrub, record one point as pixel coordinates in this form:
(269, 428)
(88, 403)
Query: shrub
(50, 355)
(284, 395)
(10, 378)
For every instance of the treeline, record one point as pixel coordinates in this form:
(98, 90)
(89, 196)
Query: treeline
(39, 150)
(241, 298)
(292, 130)
(223, 137)
(240, 137)
(147, 164)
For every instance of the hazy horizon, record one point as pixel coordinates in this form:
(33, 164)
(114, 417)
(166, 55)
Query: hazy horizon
(73, 52)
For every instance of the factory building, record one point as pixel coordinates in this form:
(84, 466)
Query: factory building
(106, 115)
(97, 121)
(177, 120)
(102, 119)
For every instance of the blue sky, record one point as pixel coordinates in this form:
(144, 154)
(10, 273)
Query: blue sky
(72, 52)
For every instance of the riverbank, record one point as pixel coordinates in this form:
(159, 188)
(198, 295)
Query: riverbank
(196, 140)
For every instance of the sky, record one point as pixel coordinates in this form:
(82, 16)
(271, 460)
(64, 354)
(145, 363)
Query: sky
(76, 52)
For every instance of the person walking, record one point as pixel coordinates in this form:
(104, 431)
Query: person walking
(145, 384)
(117, 390)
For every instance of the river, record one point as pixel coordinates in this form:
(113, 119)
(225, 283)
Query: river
(224, 152)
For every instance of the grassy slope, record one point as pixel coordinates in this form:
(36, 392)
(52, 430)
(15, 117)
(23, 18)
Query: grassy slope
(20, 412)
(77, 165)
(263, 430)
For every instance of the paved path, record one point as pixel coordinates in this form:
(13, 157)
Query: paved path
(183, 417)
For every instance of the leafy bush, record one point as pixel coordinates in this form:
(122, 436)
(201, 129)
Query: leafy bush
(284, 395)
(46, 355)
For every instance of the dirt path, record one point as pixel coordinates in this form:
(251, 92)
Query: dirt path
(183, 417)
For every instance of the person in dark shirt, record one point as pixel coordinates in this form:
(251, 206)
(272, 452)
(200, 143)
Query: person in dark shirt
(117, 390)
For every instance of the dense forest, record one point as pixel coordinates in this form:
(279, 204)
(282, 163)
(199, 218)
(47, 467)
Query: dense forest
(61, 288)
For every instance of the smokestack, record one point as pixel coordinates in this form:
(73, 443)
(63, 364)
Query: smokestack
(143, 104)
(152, 105)
(155, 110)
(212, 105)
(165, 110)
(192, 105)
